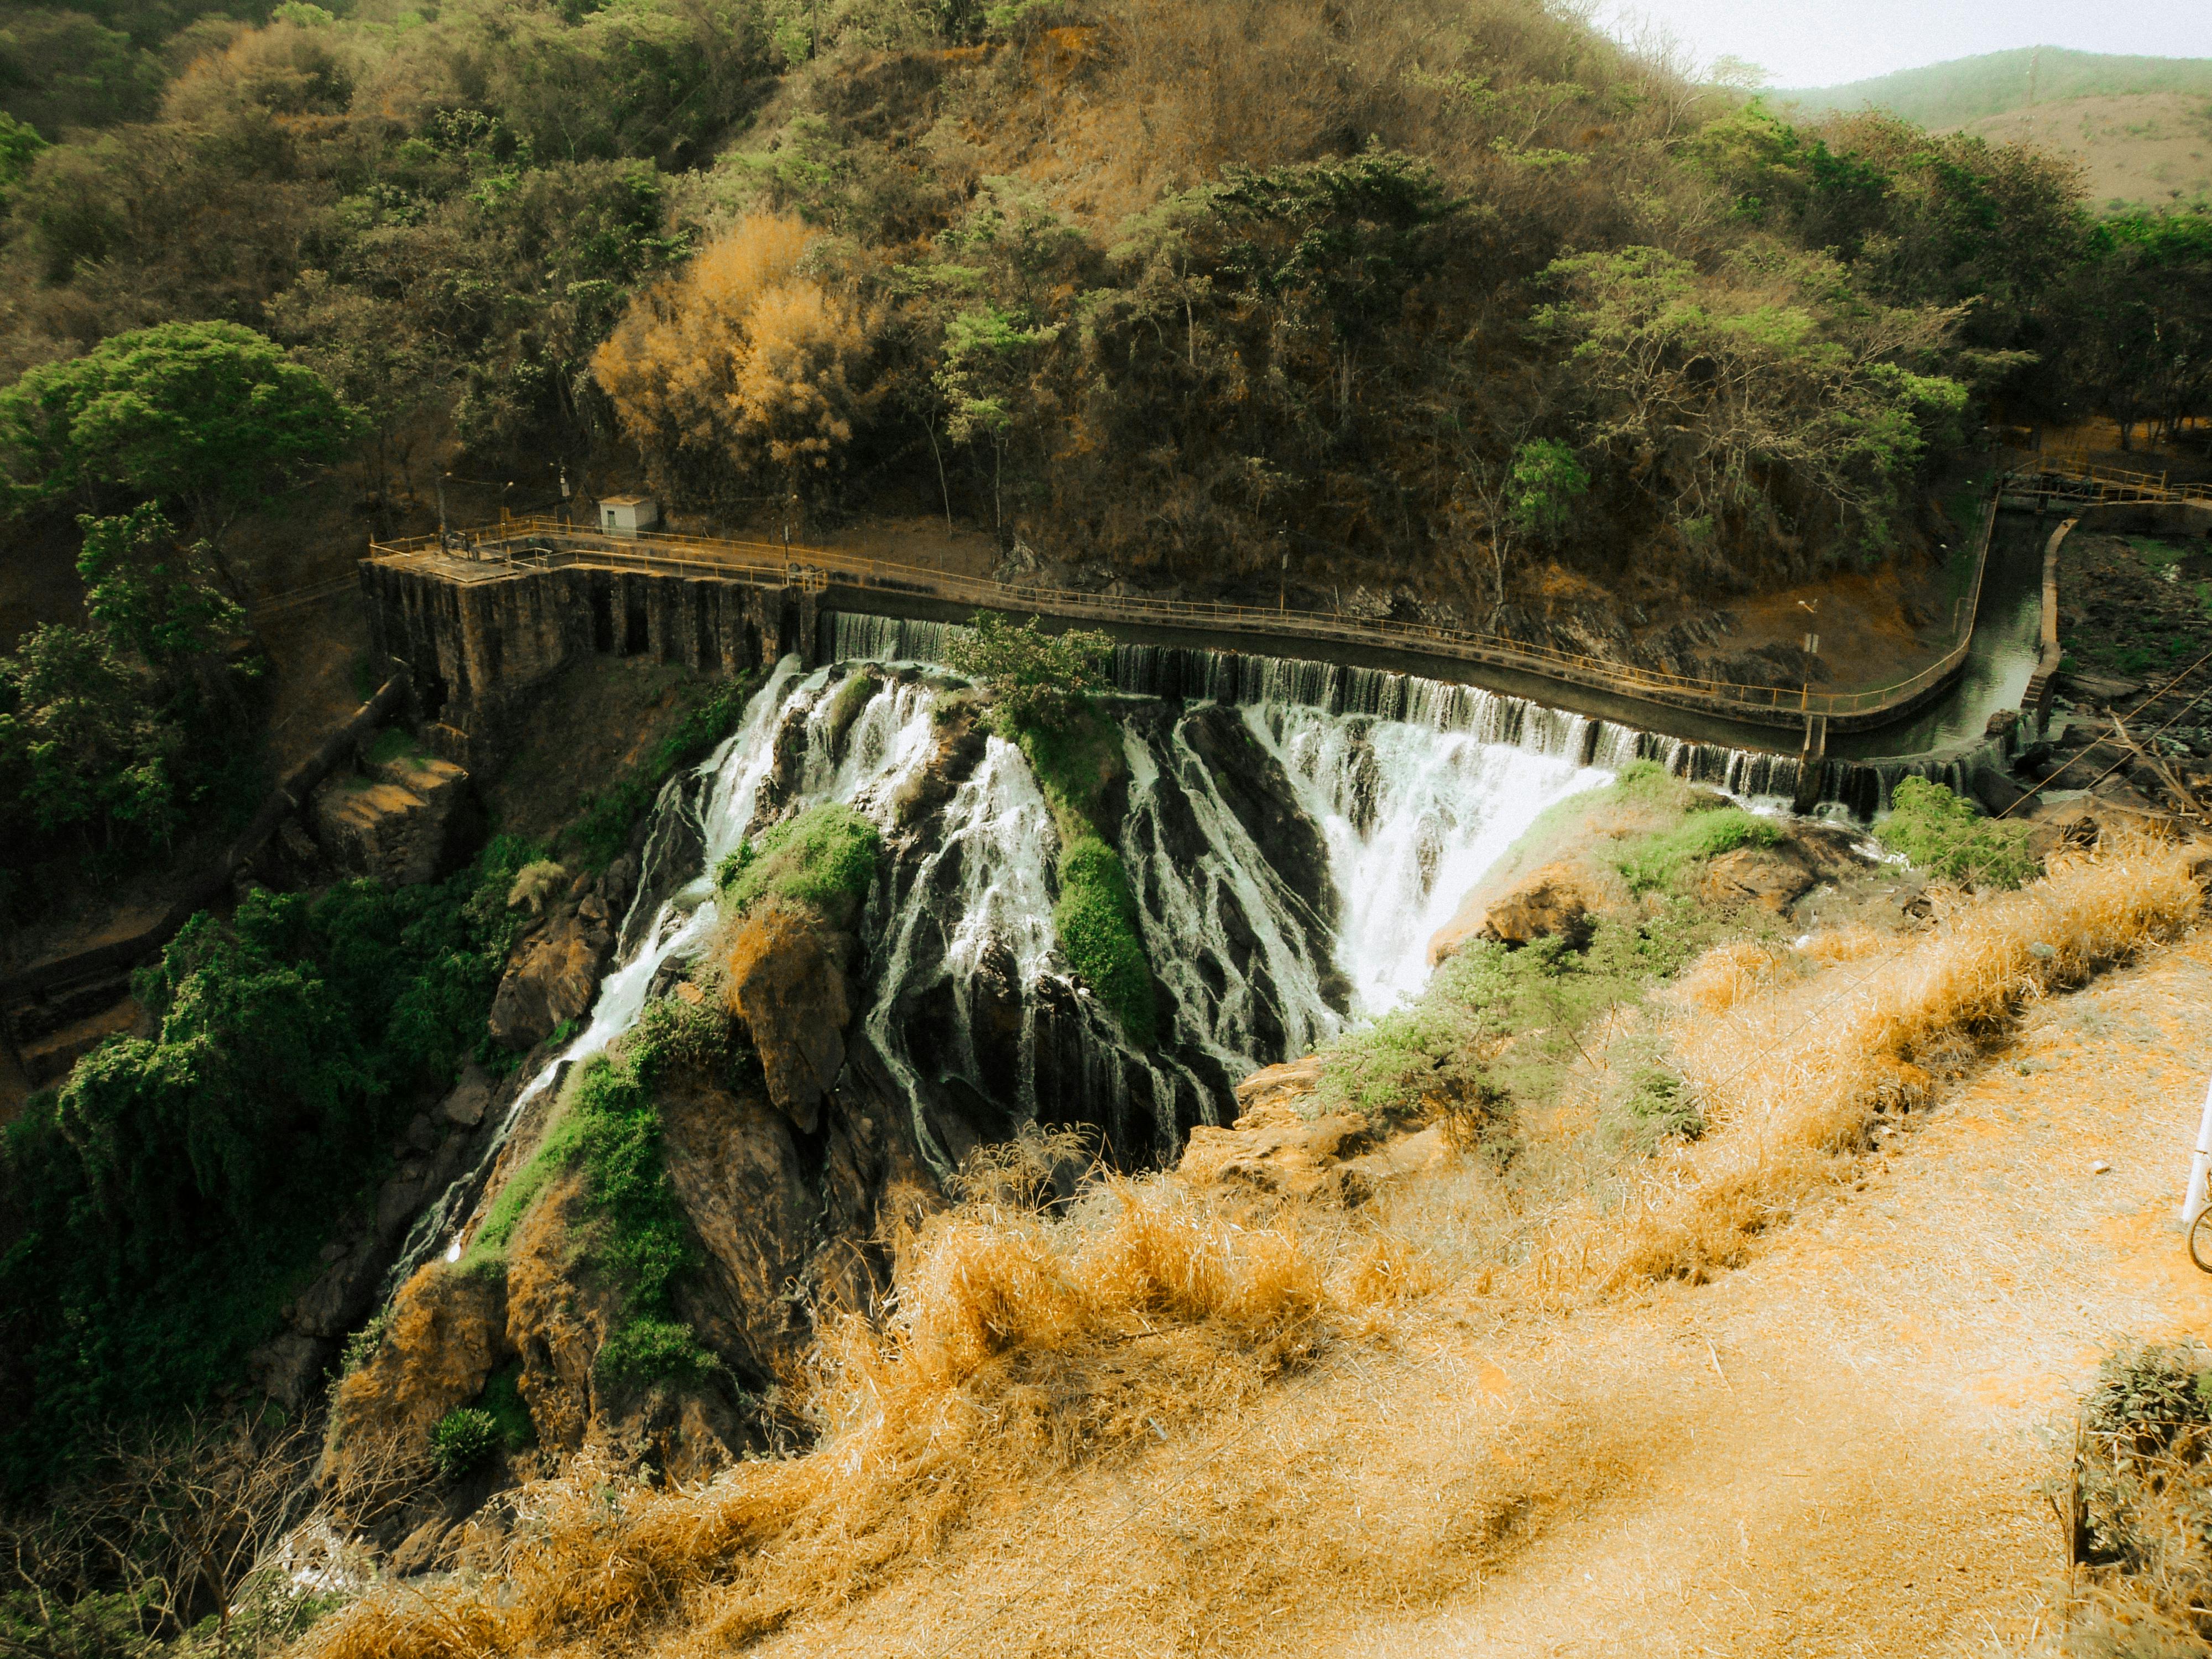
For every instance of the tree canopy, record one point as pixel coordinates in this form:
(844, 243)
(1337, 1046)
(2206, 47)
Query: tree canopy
(210, 415)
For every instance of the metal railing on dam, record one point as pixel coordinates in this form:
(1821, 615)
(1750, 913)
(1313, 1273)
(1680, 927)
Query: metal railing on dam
(546, 543)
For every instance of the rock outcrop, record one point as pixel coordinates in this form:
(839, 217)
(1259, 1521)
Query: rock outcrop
(1554, 903)
(786, 981)
(399, 822)
(1280, 1146)
(553, 975)
(1772, 878)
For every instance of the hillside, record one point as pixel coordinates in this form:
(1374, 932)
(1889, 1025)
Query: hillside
(704, 1118)
(2137, 149)
(2140, 128)
(1943, 96)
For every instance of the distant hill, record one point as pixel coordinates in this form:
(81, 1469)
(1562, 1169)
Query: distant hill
(1969, 90)
(2141, 127)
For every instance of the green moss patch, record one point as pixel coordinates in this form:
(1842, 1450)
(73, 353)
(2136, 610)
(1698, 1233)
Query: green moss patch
(1095, 919)
(825, 857)
(1661, 861)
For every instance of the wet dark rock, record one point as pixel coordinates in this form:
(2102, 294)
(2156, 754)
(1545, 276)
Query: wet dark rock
(1253, 785)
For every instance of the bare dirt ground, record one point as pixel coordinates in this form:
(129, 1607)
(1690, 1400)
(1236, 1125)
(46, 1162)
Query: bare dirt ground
(1855, 1468)
(1838, 1449)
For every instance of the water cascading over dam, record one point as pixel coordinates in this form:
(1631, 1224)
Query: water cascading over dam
(1290, 862)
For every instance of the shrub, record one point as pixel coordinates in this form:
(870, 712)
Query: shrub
(1660, 1107)
(1945, 837)
(462, 1442)
(536, 885)
(2141, 1498)
(642, 1351)
(167, 1198)
(2148, 1396)
(1039, 680)
(1095, 919)
(1660, 861)
(825, 857)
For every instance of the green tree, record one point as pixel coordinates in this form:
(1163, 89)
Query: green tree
(2139, 316)
(19, 145)
(1542, 486)
(210, 415)
(83, 753)
(986, 354)
(1708, 393)
(149, 594)
(1040, 680)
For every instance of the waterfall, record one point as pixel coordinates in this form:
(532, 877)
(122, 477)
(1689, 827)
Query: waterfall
(1294, 833)
(1414, 817)
(1489, 717)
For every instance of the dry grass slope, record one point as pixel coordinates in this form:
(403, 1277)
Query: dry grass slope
(1028, 1353)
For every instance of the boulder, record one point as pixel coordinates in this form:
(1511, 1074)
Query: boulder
(466, 1106)
(786, 982)
(1552, 902)
(737, 1171)
(1283, 1085)
(551, 977)
(396, 823)
(1773, 878)
(1277, 1150)
(1995, 790)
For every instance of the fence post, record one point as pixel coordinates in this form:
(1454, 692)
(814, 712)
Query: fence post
(2192, 1201)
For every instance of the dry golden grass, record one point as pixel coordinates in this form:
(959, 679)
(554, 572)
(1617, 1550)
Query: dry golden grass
(1026, 1352)
(1016, 1344)
(1798, 1077)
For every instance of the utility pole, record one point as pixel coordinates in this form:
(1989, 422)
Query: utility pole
(1812, 650)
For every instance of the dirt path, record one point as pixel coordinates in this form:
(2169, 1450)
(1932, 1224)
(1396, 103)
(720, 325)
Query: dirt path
(1847, 1434)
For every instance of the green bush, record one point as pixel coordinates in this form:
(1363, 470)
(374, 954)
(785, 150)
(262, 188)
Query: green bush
(1036, 680)
(1096, 921)
(2148, 1395)
(1945, 837)
(1660, 861)
(643, 1350)
(825, 857)
(170, 1195)
(1451, 1044)
(1659, 1108)
(463, 1441)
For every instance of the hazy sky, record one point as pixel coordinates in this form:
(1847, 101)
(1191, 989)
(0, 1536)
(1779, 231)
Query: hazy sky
(1820, 43)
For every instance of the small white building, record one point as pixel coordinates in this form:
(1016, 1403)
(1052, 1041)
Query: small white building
(625, 515)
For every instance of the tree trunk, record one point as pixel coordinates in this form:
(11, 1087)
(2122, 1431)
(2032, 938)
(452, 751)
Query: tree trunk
(943, 488)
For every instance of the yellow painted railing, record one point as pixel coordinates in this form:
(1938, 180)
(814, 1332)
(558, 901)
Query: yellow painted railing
(2114, 484)
(546, 543)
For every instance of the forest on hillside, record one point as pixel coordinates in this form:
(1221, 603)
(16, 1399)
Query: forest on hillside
(1458, 300)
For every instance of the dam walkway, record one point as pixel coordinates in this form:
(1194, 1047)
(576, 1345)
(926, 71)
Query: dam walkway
(829, 579)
